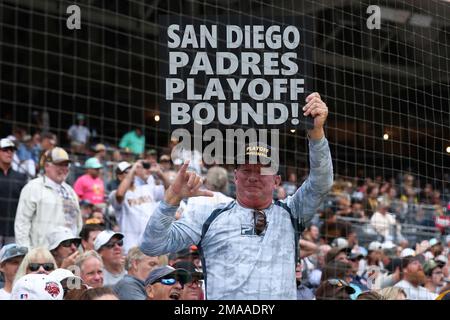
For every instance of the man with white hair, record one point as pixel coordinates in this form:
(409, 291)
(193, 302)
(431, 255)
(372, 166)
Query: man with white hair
(47, 202)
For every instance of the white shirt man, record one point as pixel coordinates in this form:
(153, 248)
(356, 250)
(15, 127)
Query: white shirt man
(134, 206)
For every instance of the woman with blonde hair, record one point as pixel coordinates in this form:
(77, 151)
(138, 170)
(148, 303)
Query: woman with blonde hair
(393, 293)
(38, 260)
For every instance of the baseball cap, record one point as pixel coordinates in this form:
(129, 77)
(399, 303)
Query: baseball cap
(375, 245)
(340, 243)
(58, 235)
(388, 245)
(61, 274)
(57, 155)
(7, 143)
(256, 152)
(433, 242)
(189, 267)
(151, 152)
(429, 266)
(181, 275)
(99, 147)
(332, 253)
(80, 116)
(407, 252)
(104, 237)
(92, 163)
(441, 260)
(123, 166)
(37, 287)
(164, 157)
(12, 250)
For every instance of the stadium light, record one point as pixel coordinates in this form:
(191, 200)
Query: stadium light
(293, 131)
(157, 118)
(448, 149)
(385, 136)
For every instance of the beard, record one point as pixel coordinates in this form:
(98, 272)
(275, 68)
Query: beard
(417, 278)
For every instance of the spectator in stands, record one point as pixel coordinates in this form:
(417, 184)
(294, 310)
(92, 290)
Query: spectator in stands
(88, 234)
(109, 245)
(90, 186)
(435, 277)
(99, 294)
(217, 182)
(139, 266)
(303, 292)
(165, 163)
(413, 280)
(26, 164)
(11, 184)
(279, 193)
(291, 184)
(37, 260)
(193, 289)
(151, 156)
(134, 141)
(11, 256)
(334, 289)
(370, 295)
(312, 234)
(37, 287)
(133, 204)
(47, 202)
(64, 246)
(371, 200)
(90, 265)
(166, 283)
(357, 211)
(393, 293)
(384, 222)
(78, 135)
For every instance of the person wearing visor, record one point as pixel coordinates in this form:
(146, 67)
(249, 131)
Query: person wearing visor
(247, 244)
(47, 202)
(166, 283)
(11, 255)
(63, 246)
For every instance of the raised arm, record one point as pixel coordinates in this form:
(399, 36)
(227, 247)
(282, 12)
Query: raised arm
(310, 195)
(163, 234)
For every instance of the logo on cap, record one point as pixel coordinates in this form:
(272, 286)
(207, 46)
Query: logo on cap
(52, 289)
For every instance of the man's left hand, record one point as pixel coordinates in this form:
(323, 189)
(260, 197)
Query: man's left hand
(317, 109)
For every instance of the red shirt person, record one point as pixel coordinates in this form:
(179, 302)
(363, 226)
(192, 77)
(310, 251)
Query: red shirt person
(90, 186)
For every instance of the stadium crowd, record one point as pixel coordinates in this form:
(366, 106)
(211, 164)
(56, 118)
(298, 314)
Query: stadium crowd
(72, 219)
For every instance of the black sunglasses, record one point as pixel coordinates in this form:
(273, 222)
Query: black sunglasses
(259, 221)
(68, 243)
(47, 266)
(110, 245)
(12, 149)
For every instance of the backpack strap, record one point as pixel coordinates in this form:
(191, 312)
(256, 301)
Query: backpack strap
(298, 227)
(205, 229)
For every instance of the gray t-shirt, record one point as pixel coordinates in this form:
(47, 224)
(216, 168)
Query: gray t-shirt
(130, 288)
(110, 279)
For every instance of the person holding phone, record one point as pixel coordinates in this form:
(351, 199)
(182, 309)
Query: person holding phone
(134, 204)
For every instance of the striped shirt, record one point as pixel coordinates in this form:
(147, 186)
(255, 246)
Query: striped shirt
(239, 264)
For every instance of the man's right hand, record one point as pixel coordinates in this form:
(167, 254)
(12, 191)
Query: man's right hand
(186, 184)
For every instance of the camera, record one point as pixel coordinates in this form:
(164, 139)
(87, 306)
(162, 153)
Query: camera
(146, 165)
